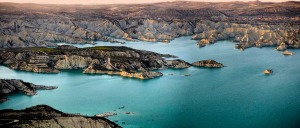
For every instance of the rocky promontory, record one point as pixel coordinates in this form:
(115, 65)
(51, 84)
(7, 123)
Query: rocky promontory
(44, 116)
(208, 64)
(11, 86)
(112, 60)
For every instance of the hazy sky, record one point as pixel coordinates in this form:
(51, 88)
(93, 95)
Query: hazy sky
(114, 1)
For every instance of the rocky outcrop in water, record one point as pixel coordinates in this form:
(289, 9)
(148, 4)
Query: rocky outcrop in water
(281, 47)
(122, 61)
(208, 64)
(43, 116)
(287, 53)
(11, 86)
(178, 63)
(268, 71)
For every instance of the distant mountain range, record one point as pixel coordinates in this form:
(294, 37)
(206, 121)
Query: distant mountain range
(177, 9)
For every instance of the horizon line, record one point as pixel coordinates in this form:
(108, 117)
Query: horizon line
(146, 2)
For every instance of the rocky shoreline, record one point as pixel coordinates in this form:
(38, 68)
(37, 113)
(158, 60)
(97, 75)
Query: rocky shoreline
(46, 116)
(246, 36)
(12, 86)
(207, 32)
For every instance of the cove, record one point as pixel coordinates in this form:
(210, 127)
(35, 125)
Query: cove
(238, 95)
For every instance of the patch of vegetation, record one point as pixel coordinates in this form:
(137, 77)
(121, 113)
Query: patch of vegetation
(37, 49)
(57, 50)
(42, 49)
(102, 48)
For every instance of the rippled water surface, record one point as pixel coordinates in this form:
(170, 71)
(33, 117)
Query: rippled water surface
(238, 95)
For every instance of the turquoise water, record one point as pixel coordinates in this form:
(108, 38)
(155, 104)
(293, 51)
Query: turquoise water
(238, 95)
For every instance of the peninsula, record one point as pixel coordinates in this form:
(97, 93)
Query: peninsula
(46, 116)
(11, 86)
(110, 60)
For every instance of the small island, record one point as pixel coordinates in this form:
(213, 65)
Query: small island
(208, 64)
(268, 71)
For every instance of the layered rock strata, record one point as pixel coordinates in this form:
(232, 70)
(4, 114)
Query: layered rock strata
(207, 32)
(280, 36)
(250, 24)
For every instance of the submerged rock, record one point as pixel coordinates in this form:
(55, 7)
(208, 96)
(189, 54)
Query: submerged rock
(106, 114)
(187, 75)
(11, 86)
(44, 116)
(130, 113)
(287, 53)
(208, 64)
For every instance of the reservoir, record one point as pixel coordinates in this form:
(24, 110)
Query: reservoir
(238, 95)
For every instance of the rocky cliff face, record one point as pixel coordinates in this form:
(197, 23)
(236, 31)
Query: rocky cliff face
(11, 86)
(248, 35)
(249, 24)
(43, 116)
(46, 31)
